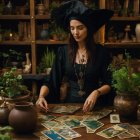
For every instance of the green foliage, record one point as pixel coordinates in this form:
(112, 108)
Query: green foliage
(47, 60)
(15, 56)
(11, 84)
(59, 32)
(53, 5)
(125, 80)
(5, 133)
(9, 56)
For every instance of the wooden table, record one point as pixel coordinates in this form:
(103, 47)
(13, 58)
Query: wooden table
(82, 131)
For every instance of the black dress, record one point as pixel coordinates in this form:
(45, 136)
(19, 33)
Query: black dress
(96, 74)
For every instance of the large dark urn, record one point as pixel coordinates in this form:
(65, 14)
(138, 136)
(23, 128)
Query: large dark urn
(23, 117)
(126, 105)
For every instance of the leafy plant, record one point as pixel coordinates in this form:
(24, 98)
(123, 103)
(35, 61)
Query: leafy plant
(59, 32)
(10, 55)
(125, 80)
(53, 5)
(11, 84)
(47, 60)
(5, 57)
(17, 56)
(5, 133)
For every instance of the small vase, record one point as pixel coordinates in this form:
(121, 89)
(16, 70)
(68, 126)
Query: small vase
(27, 66)
(28, 62)
(23, 117)
(137, 31)
(40, 9)
(126, 105)
(44, 34)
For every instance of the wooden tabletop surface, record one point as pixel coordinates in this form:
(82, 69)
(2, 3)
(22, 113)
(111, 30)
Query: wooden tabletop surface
(82, 130)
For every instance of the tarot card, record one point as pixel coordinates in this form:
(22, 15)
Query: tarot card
(62, 118)
(132, 130)
(43, 138)
(90, 130)
(92, 124)
(137, 127)
(99, 114)
(66, 132)
(111, 131)
(73, 123)
(125, 135)
(80, 118)
(50, 124)
(38, 134)
(70, 109)
(46, 117)
(114, 118)
(51, 134)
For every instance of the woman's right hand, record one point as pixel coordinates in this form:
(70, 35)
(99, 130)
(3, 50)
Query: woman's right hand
(42, 104)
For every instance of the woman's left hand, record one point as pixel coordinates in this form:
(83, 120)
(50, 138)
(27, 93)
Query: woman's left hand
(90, 101)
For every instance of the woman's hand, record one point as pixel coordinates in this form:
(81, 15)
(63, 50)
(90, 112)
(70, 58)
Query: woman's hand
(42, 104)
(90, 101)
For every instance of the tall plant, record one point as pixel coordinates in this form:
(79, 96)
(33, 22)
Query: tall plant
(47, 60)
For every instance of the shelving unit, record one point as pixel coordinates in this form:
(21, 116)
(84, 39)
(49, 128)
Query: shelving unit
(34, 44)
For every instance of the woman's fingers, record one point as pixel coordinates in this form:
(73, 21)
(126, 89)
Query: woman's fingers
(42, 104)
(88, 105)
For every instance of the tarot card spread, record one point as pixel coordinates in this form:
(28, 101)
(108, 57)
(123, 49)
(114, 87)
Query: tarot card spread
(111, 131)
(131, 131)
(70, 109)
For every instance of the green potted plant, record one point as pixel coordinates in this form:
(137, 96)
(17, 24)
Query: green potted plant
(58, 33)
(15, 58)
(47, 61)
(126, 82)
(10, 56)
(12, 87)
(5, 57)
(53, 5)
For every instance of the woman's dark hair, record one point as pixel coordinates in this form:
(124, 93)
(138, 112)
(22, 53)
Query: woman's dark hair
(90, 46)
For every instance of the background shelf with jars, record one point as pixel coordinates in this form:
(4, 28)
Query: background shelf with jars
(26, 27)
(122, 33)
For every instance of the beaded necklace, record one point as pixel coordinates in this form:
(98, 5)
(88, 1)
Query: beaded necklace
(81, 73)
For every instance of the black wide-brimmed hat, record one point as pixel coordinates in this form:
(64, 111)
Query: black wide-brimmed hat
(75, 9)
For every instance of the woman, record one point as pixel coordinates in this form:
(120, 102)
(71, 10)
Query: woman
(83, 62)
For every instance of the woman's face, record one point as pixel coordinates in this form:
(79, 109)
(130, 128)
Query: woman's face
(78, 30)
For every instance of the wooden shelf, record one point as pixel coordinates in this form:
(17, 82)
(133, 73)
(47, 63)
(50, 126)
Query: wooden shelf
(15, 42)
(51, 42)
(137, 18)
(46, 17)
(122, 45)
(14, 17)
(34, 77)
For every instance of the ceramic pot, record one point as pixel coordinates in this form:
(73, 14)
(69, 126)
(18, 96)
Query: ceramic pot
(137, 31)
(44, 34)
(4, 114)
(138, 113)
(126, 105)
(23, 117)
